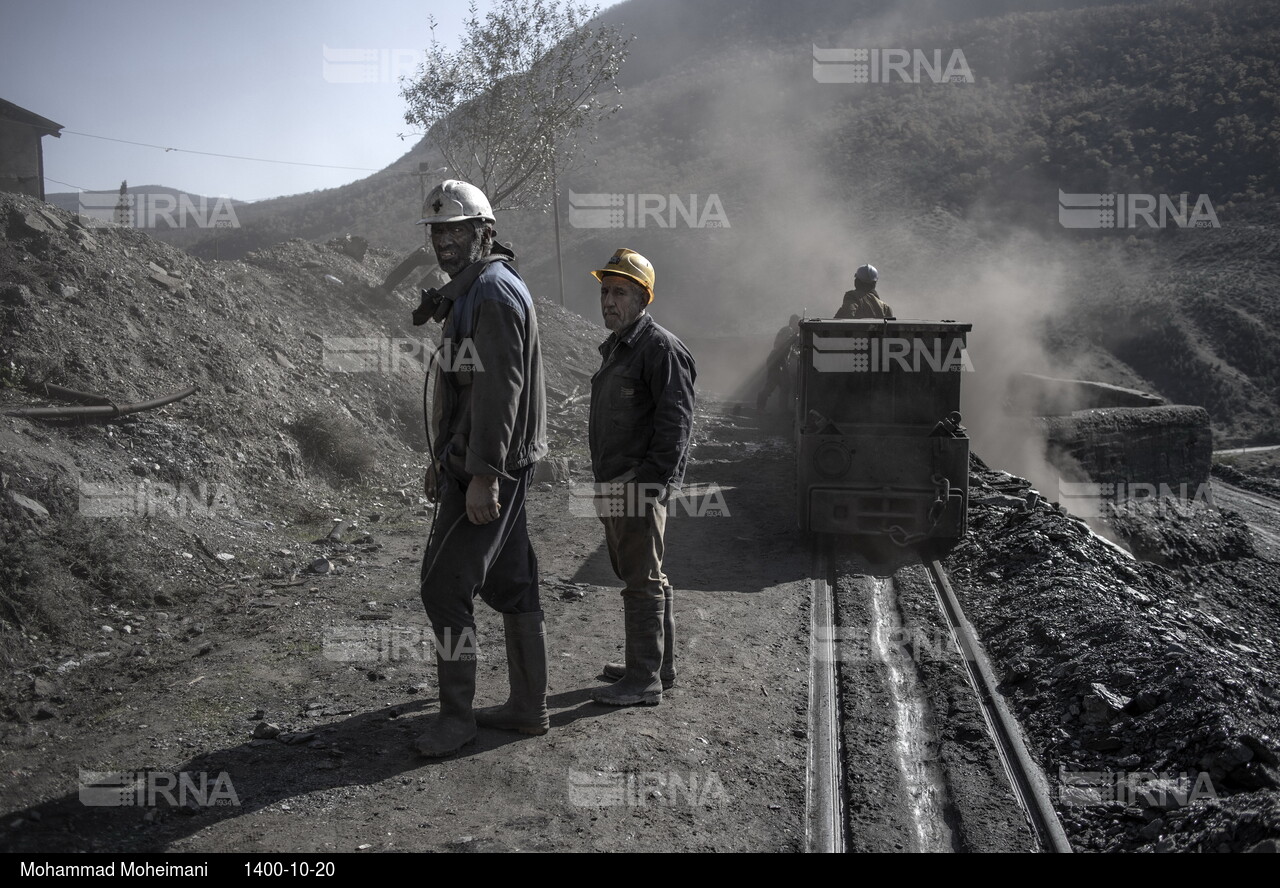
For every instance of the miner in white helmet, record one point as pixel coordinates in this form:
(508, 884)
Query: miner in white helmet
(639, 430)
(487, 430)
(863, 301)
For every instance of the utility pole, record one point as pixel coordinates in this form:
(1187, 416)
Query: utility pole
(555, 215)
(425, 170)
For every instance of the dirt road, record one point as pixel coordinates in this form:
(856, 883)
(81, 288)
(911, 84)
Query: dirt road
(338, 666)
(343, 673)
(1259, 512)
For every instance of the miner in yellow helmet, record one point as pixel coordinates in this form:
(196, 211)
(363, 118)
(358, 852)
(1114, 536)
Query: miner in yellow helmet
(630, 265)
(640, 425)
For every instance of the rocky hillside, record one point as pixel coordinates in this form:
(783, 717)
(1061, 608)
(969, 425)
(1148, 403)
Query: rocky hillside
(950, 188)
(307, 392)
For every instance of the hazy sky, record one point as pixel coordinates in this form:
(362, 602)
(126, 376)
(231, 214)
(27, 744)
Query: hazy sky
(252, 79)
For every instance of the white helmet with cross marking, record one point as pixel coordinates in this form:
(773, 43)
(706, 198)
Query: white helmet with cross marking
(455, 201)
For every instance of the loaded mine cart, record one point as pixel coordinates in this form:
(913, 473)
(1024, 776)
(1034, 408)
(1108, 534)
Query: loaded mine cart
(879, 446)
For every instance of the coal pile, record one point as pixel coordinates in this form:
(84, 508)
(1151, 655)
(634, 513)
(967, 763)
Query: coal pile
(1147, 691)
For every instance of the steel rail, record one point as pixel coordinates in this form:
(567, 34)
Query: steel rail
(824, 777)
(1028, 782)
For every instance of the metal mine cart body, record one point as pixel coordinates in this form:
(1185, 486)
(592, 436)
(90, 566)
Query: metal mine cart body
(879, 446)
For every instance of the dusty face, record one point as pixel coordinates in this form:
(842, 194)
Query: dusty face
(621, 301)
(458, 244)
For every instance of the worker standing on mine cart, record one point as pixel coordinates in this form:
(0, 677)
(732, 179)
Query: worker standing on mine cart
(487, 430)
(640, 426)
(777, 373)
(863, 301)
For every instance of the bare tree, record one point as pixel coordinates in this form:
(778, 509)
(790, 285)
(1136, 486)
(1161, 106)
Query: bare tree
(525, 84)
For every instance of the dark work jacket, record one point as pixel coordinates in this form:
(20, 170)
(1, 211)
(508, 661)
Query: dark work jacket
(642, 406)
(863, 304)
(786, 339)
(490, 411)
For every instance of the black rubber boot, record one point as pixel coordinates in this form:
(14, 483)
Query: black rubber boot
(455, 726)
(641, 685)
(526, 708)
(615, 671)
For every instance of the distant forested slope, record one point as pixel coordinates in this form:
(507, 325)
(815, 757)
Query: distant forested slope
(952, 187)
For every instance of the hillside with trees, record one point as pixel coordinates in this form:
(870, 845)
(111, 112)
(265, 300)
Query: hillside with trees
(951, 188)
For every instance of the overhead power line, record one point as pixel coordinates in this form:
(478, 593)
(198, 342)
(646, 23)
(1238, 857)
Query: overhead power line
(68, 184)
(215, 154)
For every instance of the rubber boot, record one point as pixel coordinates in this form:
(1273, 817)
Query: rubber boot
(641, 685)
(526, 708)
(668, 671)
(615, 671)
(455, 726)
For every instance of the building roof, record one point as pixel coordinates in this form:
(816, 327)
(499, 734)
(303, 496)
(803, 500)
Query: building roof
(44, 125)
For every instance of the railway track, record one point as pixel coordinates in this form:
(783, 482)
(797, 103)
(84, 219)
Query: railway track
(824, 787)
(867, 680)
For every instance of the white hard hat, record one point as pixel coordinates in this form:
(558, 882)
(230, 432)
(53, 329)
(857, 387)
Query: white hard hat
(455, 201)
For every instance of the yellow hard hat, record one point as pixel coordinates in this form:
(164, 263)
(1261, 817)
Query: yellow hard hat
(629, 264)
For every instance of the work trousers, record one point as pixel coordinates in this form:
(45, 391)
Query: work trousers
(495, 560)
(636, 548)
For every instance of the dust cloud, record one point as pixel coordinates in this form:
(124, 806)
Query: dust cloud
(801, 227)
(801, 212)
